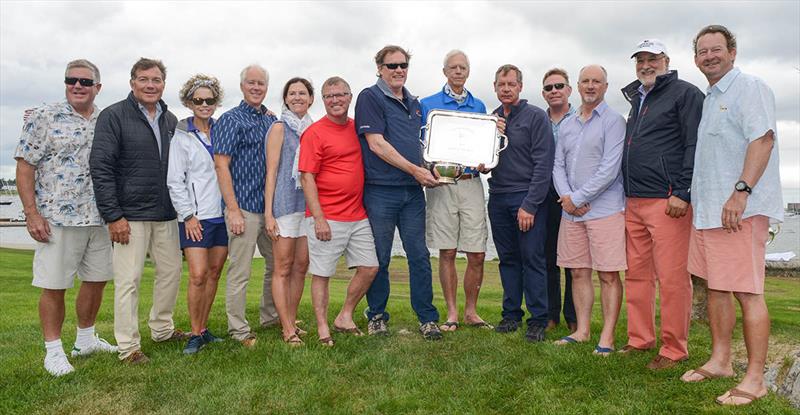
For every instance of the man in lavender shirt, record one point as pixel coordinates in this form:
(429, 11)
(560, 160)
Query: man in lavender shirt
(588, 179)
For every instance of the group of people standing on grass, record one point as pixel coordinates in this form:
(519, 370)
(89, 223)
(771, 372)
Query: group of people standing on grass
(687, 184)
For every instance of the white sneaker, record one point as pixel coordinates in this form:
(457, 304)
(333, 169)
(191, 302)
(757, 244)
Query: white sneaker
(58, 365)
(99, 345)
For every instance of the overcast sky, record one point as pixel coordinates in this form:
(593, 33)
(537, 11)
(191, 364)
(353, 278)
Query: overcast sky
(321, 39)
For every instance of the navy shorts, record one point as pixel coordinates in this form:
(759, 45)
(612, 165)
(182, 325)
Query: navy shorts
(214, 234)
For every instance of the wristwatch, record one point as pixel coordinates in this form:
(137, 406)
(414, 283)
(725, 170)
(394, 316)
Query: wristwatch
(191, 215)
(741, 186)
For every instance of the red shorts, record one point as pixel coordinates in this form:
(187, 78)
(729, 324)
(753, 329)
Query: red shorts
(731, 261)
(598, 244)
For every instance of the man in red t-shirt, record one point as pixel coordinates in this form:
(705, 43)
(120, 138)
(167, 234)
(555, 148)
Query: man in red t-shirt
(332, 175)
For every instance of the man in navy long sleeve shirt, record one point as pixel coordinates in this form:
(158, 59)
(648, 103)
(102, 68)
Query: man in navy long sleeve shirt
(517, 191)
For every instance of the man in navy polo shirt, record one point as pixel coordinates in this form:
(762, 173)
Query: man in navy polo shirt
(240, 160)
(517, 211)
(388, 122)
(456, 214)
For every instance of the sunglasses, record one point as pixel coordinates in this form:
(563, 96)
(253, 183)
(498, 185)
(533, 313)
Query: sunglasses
(559, 86)
(83, 81)
(208, 101)
(394, 66)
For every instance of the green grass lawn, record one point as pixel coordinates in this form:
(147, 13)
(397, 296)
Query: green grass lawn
(471, 371)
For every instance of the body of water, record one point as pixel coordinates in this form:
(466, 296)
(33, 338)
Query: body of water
(17, 237)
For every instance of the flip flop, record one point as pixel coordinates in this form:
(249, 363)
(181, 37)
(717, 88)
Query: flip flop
(327, 341)
(350, 330)
(705, 375)
(602, 351)
(738, 393)
(481, 325)
(565, 341)
(449, 326)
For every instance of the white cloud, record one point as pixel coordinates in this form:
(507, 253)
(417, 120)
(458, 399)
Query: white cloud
(321, 39)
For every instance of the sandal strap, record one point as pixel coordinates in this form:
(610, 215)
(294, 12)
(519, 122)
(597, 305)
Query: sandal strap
(738, 393)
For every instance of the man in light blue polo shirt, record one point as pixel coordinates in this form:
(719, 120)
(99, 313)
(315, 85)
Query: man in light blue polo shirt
(388, 121)
(736, 193)
(456, 213)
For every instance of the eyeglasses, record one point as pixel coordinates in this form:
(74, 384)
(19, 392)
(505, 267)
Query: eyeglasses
(83, 81)
(331, 97)
(559, 86)
(208, 101)
(393, 66)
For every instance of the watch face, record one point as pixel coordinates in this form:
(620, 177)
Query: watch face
(740, 186)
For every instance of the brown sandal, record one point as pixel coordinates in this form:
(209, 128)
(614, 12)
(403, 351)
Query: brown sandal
(327, 341)
(705, 375)
(294, 340)
(351, 330)
(738, 393)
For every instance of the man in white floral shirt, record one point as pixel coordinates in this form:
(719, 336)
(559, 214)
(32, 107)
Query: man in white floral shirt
(61, 215)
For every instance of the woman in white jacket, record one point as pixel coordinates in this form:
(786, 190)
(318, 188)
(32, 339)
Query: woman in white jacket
(195, 194)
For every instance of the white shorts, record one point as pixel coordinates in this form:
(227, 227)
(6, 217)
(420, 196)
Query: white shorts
(291, 225)
(353, 239)
(81, 250)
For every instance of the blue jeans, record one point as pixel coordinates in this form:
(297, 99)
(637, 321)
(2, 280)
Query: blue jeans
(553, 272)
(401, 207)
(523, 269)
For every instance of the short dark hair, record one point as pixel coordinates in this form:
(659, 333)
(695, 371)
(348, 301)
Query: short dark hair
(506, 69)
(556, 71)
(730, 38)
(295, 80)
(381, 55)
(144, 64)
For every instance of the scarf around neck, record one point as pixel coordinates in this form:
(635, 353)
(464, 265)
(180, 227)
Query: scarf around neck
(298, 125)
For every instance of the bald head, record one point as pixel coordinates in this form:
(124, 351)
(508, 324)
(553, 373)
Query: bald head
(592, 85)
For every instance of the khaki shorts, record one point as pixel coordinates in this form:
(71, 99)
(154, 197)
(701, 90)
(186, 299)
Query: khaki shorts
(731, 261)
(353, 239)
(81, 250)
(455, 217)
(598, 244)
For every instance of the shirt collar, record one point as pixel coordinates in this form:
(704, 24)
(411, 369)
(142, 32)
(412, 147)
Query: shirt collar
(600, 109)
(142, 108)
(244, 106)
(192, 129)
(449, 95)
(723, 84)
(66, 108)
(570, 112)
(384, 87)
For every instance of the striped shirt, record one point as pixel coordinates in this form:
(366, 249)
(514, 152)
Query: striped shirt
(240, 133)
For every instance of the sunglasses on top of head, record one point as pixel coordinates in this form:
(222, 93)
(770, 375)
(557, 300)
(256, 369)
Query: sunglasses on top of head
(83, 81)
(393, 66)
(559, 86)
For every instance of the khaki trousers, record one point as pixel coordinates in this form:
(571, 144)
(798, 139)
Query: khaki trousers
(240, 252)
(160, 240)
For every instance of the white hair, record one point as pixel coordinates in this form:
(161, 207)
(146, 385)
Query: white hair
(243, 74)
(83, 63)
(452, 53)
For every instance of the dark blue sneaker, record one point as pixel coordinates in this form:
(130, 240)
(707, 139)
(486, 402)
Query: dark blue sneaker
(194, 344)
(208, 337)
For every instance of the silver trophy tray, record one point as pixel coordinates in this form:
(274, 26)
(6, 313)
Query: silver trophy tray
(463, 138)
